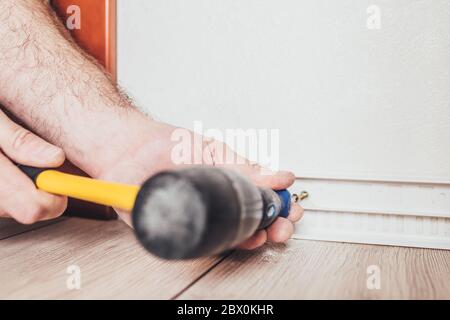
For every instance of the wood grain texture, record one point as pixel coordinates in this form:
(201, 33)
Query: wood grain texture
(113, 266)
(34, 265)
(320, 270)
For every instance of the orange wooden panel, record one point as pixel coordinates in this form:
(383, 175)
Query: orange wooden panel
(97, 33)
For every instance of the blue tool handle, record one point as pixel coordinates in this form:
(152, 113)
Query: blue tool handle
(285, 197)
(275, 204)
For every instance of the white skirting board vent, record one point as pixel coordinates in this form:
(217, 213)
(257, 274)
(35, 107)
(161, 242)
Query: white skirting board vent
(387, 213)
(409, 231)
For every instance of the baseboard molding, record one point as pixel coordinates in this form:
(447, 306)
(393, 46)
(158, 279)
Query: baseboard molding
(376, 212)
(384, 229)
(376, 197)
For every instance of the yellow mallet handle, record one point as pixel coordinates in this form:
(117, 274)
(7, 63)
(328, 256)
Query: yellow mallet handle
(116, 195)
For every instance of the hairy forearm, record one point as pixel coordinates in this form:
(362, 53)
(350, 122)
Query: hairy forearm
(57, 90)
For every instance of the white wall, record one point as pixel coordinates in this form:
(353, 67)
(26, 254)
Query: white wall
(350, 102)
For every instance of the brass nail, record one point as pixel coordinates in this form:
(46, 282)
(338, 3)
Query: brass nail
(297, 198)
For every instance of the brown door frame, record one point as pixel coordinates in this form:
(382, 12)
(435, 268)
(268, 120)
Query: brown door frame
(97, 34)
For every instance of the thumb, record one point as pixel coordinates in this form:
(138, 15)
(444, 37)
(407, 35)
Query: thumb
(261, 176)
(24, 147)
(264, 177)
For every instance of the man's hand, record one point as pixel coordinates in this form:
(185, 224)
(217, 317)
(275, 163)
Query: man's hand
(62, 95)
(151, 152)
(19, 199)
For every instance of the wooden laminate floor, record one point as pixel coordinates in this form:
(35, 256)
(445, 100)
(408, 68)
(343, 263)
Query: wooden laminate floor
(36, 263)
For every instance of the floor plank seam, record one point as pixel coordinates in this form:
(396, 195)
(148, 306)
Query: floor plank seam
(175, 297)
(31, 230)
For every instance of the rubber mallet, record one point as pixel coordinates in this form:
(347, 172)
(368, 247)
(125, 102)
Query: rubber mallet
(180, 214)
